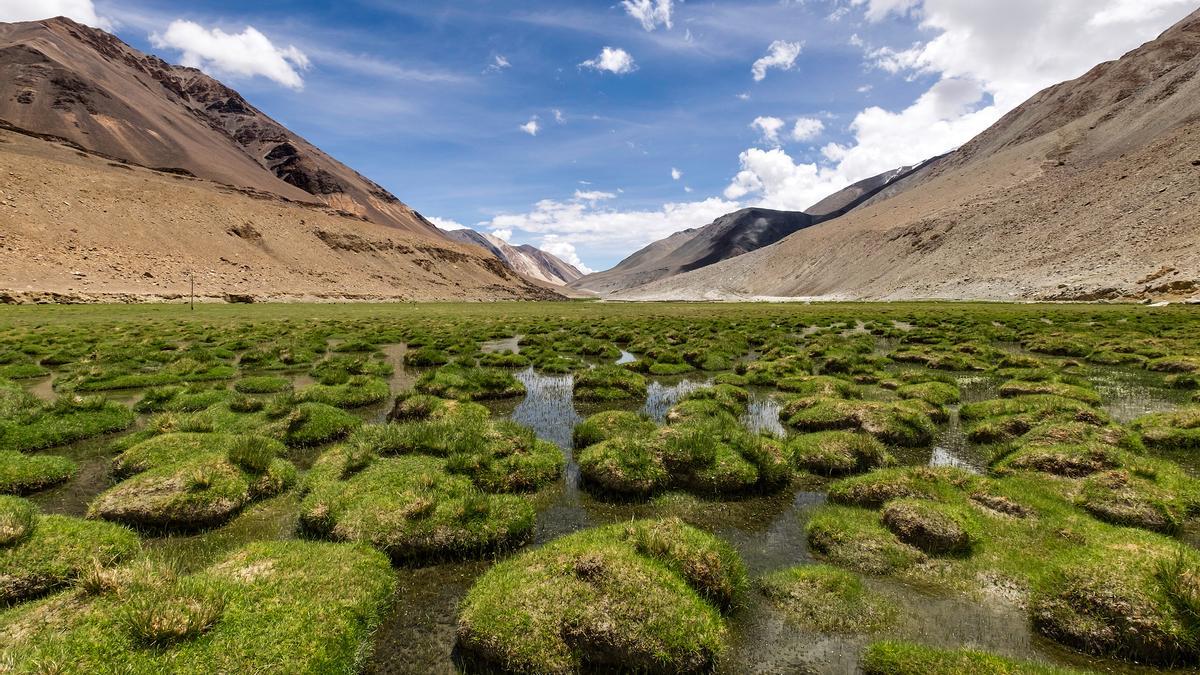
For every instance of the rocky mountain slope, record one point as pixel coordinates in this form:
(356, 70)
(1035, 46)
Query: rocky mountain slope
(61, 78)
(528, 261)
(1090, 190)
(728, 237)
(79, 227)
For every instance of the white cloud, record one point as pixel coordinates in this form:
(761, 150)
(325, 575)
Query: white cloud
(564, 251)
(532, 127)
(447, 224)
(612, 60)
(676, 174)
(609, 232)
(593, 196)
(807, 129)
(769, 127)
(245, 54)
(559, 116)
(744, 96)
(650, 13)
(499, 62)
(781, 54)
(503, 234)
(83, 11)
(980, 76)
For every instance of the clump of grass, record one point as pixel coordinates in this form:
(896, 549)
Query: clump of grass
(17, 520)
(902, 424)
(67, 420)
(828, 600)
(853, 538)
(358, 391)
(415, 407)
(312, 424)
(619, 596)
(609, 424)
(461, 382)
(162, 617)
(254, 453)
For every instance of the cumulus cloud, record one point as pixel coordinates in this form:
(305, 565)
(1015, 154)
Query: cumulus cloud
(676, 174)
(651, 13)
(503, 234)
(807, 129)
(781, 54)
(979, 77)
(245, 54)
(608, 232)
(447, 224)
(532, 127)
(769, 128)
(613, 60)
(83, 11)
(564, 251)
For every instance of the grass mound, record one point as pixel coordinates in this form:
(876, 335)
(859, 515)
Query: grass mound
(838, 453)
(40, 553)
(646, 596)
(905, 424)
(409, 507)
(22, 474)
(462, 382)
(610, 424)
(609, 383)
(262, 384)
(1178, 430)
(936, 529)
(269, 607)
(828, 600)
(67, 420)
(193, 481)
(357, 392)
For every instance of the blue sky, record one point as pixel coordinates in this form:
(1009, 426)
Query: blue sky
(434, 100)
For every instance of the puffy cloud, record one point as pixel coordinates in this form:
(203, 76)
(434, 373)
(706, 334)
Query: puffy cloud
(609, 232)
(532, 127)
(676, 174)
(650, 13)
(446, 224)
(245, 54)
(1058, 40)
(83, 11)
(564, 251)
(769, 127)
(807, 129)
(503, 234)
(559, 116)
(781, 54)
(612, 60)
(980, 76)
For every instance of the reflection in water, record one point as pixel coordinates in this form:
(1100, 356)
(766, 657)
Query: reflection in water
(1130, 394)
(762, 417)
(951, 448)
(661, 397)
(44, 389)
(626, 357)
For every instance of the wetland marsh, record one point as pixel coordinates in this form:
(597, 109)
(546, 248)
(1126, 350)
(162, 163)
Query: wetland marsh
(900, 488)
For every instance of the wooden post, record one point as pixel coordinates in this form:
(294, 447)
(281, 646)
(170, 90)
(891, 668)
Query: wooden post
(192, 276)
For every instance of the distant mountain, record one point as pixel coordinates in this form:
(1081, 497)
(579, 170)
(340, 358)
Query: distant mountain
(126, 178)
(61, 78)
(525, 260)
(1087, 191)
(728, 237)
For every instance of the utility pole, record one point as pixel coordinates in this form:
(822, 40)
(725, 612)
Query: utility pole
(192, 276)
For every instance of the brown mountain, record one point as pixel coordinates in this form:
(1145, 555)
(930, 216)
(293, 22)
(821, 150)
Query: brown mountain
(125, 178)
(61, 78)
(528, 261)
(1086, 191)
(728, 237)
